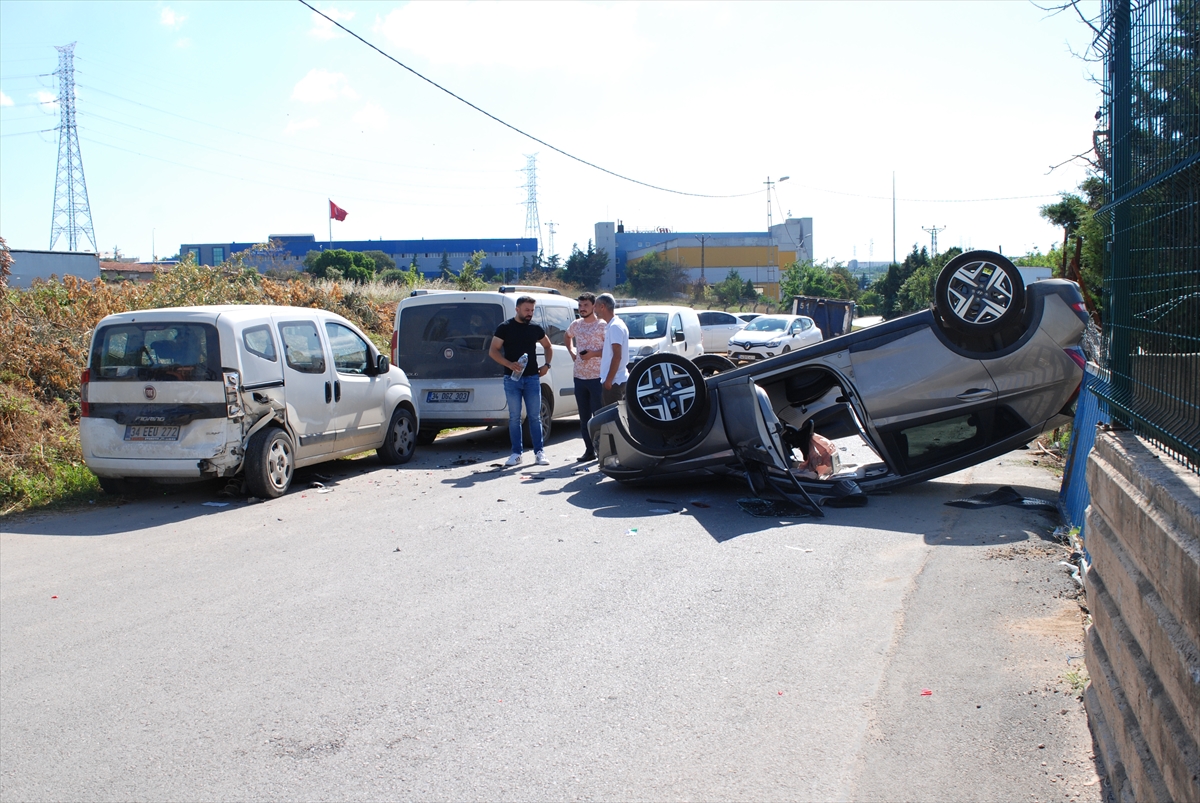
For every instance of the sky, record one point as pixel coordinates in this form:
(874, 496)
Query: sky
(224, 121)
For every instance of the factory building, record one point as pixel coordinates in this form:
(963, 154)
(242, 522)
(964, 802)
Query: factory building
(287, 251)
(709, 256)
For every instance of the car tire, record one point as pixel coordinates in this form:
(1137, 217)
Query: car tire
(425, 435)
(401, 441)
(115, 486)
(546, 413)
(666, 391)
(979, 293)
(713, 364)
(270, 463)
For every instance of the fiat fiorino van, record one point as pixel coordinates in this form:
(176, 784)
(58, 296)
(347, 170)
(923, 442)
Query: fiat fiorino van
(198, 392)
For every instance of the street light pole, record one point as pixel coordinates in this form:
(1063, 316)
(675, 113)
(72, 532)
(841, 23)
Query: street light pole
(702, 238)
(770, 260)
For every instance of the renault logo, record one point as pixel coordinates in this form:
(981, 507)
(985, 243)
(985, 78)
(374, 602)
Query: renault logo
(150, 392)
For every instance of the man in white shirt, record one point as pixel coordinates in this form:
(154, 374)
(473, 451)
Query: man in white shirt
(616, 350)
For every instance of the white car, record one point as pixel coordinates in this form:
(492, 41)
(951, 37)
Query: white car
(770, 335)
(193, 393)
(716, 328)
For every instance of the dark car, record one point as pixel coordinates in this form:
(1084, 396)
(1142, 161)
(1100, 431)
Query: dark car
(990, 367)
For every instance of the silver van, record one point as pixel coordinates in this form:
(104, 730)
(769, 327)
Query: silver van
(441, 341)
(191, 393)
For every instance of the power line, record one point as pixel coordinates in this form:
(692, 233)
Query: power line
(510, 126)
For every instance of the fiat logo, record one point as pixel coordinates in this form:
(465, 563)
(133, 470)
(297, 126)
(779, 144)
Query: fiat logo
(448, 354)
(150, 392)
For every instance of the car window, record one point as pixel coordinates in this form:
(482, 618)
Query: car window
(157, 351)
(717, 319)
(448, 340)
(351, 355)
(555, 320)
(645, 325)
(258, 341)
(676, 324)
(766, 325)
(302, 347)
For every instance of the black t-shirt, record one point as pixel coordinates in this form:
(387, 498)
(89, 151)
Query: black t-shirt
(521, 338)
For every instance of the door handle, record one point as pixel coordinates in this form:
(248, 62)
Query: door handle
(337, 391)
(328, 393)
(976, 394)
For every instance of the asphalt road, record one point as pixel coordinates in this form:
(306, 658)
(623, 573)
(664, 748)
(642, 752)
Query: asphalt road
(447, 630)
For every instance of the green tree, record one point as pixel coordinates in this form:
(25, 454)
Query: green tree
(444, 267)
(827, 280)
(749, 291)
(382, 261)
(585, 268)
(654, 276)
(888, 286)
(917, 291)
(469, 278)
(1067, 213)
(729, 290)
(336, 263)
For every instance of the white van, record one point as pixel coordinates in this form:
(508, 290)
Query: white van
(441, 341)
(662, 329)
(191, 393)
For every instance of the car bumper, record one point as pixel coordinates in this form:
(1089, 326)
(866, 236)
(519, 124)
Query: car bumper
(140, 467)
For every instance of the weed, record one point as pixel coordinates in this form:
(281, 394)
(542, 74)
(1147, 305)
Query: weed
(1077, 679)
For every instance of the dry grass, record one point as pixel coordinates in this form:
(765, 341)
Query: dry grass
(45, 332)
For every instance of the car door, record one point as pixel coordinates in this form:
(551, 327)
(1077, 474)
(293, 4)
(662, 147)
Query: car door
(308, 382)
(358, 395)
(676, 337)
(554, 319)
(717, 328)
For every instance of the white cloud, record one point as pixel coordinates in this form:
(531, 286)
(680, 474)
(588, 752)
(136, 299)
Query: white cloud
(300, 125)
(323, 28)
(484, 33)
(371, 118)
(169, 18)
(48, 99)
(321, 85)
(5, 100)
(183, 43)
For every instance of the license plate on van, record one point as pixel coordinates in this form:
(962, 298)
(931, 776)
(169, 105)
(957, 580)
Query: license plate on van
(144, 433)
(454, 396)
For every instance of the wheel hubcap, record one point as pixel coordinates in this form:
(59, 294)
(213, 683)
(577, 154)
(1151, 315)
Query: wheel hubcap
(279, 464)
(980, 293)
(403, 437)
(666, 392)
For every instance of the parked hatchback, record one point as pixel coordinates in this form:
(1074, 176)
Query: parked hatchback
(199, 392)
(716, 328)
(769, 335)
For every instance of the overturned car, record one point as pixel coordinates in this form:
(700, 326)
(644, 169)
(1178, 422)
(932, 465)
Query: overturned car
(992, 365)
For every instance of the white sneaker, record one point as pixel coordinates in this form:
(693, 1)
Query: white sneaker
(541, 459)
(513, 460)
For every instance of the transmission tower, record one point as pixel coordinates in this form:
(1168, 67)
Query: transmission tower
(72, 212)
(533, 224)
(933, 233)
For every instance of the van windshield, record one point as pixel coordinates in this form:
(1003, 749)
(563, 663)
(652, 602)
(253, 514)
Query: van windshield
(645, 325)
(160, 352)
(448, 340)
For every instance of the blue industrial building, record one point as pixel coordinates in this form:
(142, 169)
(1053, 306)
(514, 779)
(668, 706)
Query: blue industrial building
(289, 250)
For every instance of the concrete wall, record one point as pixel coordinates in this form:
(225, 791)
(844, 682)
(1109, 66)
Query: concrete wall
(30, 265)
(1143, 647)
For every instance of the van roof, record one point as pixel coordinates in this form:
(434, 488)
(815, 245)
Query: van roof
(654, 308)
(479, 295)
(236, 312)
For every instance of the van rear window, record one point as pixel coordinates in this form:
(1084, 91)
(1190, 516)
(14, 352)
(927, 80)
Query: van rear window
(160, 352)
(448, 341)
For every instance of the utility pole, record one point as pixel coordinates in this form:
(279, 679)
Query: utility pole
(72, 212)
(550, 226)
(933, 231)
(702, 238)
(770, 255)
(893, 217)
(533, 224)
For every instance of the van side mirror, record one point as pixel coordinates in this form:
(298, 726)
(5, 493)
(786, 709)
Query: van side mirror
(382, 364)
(679, 336)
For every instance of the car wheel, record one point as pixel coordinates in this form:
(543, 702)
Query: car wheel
(712, 364)
(666, 391)
(401, 441)
(115, 486)
(426, 435)
(269, 463)
(979, 292)
(546, 413)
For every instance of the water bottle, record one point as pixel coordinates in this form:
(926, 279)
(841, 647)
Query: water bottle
(520, 369)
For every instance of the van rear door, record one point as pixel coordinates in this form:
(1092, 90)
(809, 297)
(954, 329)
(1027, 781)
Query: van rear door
(443, 348)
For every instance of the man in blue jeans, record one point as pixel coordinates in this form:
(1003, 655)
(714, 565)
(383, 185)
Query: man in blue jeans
(519, 336)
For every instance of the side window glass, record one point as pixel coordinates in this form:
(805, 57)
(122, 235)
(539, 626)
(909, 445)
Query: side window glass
(302, 347)
(709, 318)
(350, 352)
(676, 324)
(555, 321)
(258, 341)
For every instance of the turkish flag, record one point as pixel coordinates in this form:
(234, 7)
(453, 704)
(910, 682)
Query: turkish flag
(336, 212)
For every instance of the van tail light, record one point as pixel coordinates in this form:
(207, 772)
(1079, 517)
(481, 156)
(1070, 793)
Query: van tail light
(233, 402)
(85, 409)
(1080, 309)
(395, 344)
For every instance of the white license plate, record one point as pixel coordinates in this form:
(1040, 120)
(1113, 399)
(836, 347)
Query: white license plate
(454, 396)
(144, 433)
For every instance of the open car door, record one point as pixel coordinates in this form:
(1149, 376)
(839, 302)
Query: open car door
(755, 433)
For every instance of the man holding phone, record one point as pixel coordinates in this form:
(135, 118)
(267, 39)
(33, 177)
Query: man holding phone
(585, 343)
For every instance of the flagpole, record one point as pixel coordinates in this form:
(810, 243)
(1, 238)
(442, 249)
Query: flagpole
(330, 211)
